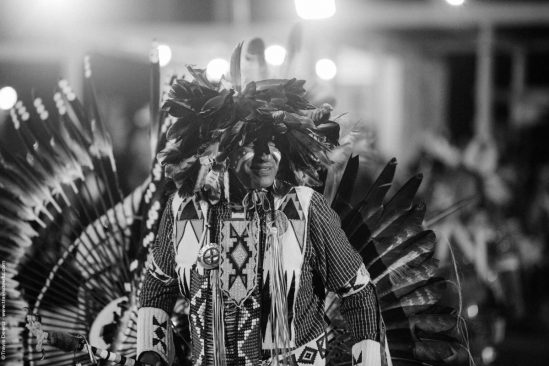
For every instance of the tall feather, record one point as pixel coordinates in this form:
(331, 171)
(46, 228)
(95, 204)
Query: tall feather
(294, 45)
(371, 205)
(154, 103)
(342, 200)
(235, 72)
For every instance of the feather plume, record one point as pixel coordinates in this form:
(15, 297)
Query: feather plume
(402, 200)
(342, 200)
(371, 205)
(199, 77)
(398, 253)
(154, 103)
(84, 240)
(235, 73)
(294, 45)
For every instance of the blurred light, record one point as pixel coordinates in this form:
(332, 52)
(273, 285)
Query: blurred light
(356, 66)
(275, 54)
(8, 98)
(326, 69)
(472, 311)
(58, 10)
(315, 9)
(455, 2)
(56, 5)
(164, 54)
(488, 355)
(58, 2)
(216, 69)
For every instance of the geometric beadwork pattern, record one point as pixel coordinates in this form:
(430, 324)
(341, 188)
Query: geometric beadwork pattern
(188, 210)
(248, 332)
(292, 207)
(308, 354)
(357, 283)
(159, 333)
(186, 250)
(200, 332)
(321, 345)
(357, 360)
(238, 265)
(293, 210)
(291, 244)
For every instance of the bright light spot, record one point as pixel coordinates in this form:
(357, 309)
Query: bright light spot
(275, 54)
(455, 2)
(315, 9)
(472, 311)
(488, 355)
(164, 54)
(57, 10)
(216, 69)
(8, 98)
(326, 69)
(58, 2)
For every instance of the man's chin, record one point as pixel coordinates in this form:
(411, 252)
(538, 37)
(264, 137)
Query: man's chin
(262, 182)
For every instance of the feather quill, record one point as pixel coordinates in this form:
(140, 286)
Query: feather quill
(235, 72)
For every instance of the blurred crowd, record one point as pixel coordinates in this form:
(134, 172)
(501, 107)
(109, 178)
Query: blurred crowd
(489, 200)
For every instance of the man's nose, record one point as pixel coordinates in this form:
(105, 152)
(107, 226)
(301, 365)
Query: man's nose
(261, 150)
(262, 156)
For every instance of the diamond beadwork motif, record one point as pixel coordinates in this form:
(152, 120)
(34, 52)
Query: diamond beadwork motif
(308, 356)
(159, 333)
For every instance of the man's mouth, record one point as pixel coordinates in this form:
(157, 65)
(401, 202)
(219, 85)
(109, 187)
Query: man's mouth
(262, 169)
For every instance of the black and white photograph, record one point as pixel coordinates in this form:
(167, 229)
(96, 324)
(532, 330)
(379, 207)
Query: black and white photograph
(274, 183)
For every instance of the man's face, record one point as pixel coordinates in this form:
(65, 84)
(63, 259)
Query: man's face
(256, 167)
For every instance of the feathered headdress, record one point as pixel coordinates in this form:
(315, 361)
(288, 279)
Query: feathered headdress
(215, 119)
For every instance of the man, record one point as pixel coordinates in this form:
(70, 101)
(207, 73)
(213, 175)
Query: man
(250, 247)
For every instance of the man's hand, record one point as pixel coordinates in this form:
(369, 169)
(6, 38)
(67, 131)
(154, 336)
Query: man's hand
(151, 358)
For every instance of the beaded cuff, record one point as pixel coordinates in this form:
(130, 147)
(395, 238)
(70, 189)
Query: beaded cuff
(154, 333)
